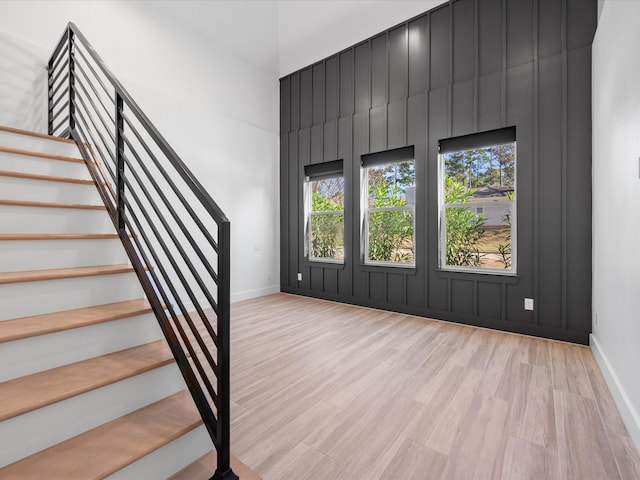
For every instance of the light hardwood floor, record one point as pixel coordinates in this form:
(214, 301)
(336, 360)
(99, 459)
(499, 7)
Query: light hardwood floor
(322, 390)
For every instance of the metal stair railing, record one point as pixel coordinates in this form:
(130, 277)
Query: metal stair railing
(176, 236)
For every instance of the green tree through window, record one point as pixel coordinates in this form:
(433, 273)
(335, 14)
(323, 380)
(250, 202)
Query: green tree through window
(325, 237)
(389, 215)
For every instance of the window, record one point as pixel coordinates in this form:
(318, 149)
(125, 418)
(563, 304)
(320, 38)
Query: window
(324, 212)
(388, 207)
(477, 190)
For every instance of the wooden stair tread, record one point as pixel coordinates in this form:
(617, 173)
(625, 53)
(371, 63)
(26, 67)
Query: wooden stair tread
(26, 203)
(58, 236)
(60, 273)
(50, 156)
(31, 392)
(203, 468)
(36, 134)
(27, 327)
(106, 449)
(45, 178)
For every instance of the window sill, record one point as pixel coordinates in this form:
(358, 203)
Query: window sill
(507, 277)
(334, 264)
(388, 268)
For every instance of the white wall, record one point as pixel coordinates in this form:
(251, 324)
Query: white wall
(616, 205)
(217, 108)
(23, 82)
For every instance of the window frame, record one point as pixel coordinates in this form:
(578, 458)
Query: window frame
(372, 161)
(315, 173)
(476, 142)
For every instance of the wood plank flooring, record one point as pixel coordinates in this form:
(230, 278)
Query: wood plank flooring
(322, 390)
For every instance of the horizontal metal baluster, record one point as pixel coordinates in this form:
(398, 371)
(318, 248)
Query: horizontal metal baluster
(203, 316)
(96, 148)
(62, 84)
(176, 217)
(106, 126)
(57, 102)
(102, 182)
(95, 92)
(108, 91)
(60, 107)
(60, 124)
(60, 112)
(158, 287)
(191, 380)
(104, 142)
(166, 277)
(97, 163)
(60, 63)
(59, 66)
(56, 76)
(181, 169)
(54, 60)
(185, 258)
(176, 190)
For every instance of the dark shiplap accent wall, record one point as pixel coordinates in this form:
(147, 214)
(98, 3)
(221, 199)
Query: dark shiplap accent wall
(465, 67)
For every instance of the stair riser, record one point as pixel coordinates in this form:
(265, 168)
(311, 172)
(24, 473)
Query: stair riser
(33, 355)
(13, 188)
(40, 429)
(20, 255)
(35, 298)
(43, 166)
(36, 144)
(167, 460)
(19, 219)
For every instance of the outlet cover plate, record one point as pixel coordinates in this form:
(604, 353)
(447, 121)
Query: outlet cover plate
(528, 303)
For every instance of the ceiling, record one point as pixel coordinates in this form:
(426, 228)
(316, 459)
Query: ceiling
(282, 36)
(311, 30)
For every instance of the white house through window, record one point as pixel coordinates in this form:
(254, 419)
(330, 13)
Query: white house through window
(477, 190)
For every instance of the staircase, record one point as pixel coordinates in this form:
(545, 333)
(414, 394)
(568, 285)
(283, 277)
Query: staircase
(88, 386)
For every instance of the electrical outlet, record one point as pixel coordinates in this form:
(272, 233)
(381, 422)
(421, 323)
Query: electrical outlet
(528, 303)
(299, 276)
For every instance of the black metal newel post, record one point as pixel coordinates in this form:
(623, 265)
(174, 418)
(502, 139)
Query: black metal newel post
(120, 162)
(72, 93)
(223, 468)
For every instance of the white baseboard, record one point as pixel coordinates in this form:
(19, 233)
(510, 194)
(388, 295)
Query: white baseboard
(260, 292)
(238, 297)
(628, 412)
